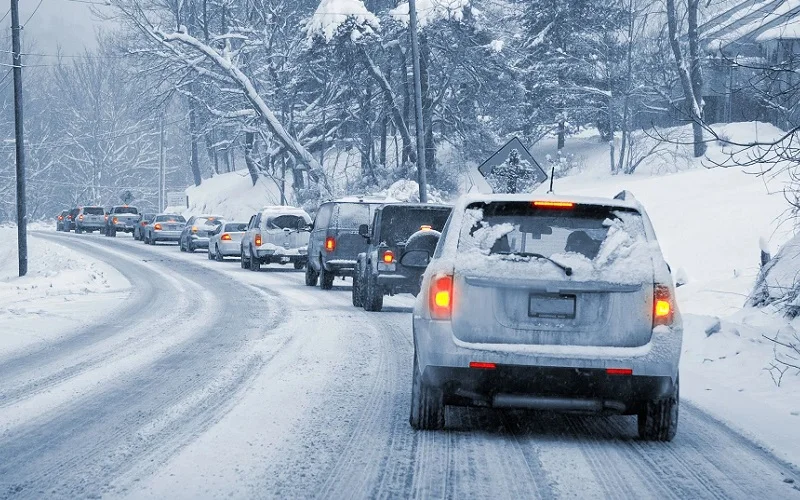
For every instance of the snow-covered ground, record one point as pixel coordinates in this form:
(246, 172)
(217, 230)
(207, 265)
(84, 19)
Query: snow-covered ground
(62, 291)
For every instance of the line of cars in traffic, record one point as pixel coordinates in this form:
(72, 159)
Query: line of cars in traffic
(522, 301)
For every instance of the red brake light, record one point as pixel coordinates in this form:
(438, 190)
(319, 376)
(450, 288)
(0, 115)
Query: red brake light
(662, 306)
(258, 240)
(105, 217)
(619, 371)
(194, 229)
(157, 227)
(143, 223)
(480, 365)
(330, 243)
(116, 220)
(388, 257)
(80, 217)
(441, 297)
(225, 237)
(553, 204)
(60, 218)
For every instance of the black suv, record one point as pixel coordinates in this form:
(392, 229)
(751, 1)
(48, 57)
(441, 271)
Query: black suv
(335, 243)
(400, 234)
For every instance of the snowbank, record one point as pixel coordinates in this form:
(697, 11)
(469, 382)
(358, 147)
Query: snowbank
(232, 196)
(62, 291)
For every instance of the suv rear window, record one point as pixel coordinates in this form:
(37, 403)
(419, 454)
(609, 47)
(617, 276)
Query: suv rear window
(352, 215)
(170, 218)
(93, 211)
(236, 227)
(125, 210)
(520, 229)
(286, 221)
(398, 223)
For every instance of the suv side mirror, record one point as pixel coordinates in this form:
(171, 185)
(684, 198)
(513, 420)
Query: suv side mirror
(363, 230)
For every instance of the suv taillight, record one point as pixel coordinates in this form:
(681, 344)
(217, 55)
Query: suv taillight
(388, 257)
(440, 297)
(663, 312)
(157, 227)
(80, 217)
(115, 220)
(330, 244)
(258, 240)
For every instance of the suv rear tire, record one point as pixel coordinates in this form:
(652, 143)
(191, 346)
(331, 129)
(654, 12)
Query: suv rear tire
(245, 263)
(358, 293)
(658, 420)
(326, 279)
(373, 297)
(427, 403)
(255, 264)
(311, 275)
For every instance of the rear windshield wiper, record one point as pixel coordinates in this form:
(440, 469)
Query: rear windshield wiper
(567, 270)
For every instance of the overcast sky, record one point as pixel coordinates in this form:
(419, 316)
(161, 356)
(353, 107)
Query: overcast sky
(66, 24)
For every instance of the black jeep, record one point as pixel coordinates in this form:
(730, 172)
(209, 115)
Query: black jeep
(401, 233)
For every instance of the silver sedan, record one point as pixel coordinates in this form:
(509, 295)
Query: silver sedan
(225, 240)
(165, 227)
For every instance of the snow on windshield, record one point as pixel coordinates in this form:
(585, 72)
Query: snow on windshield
(606, 244)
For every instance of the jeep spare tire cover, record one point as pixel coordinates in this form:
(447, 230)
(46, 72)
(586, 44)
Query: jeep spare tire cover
(425, 240)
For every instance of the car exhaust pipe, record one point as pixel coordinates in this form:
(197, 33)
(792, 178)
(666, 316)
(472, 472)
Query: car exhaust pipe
(556, 404)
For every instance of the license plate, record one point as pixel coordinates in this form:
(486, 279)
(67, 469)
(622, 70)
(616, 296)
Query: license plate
(556, 306)
(284, 259)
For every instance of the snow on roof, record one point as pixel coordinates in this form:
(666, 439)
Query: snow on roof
(788, 30)
(529, 197)
(430, 11)
(332, 14)
(748, 19)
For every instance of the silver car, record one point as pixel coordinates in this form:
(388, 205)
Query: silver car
(90, 219)
(196, 232)
(165, 227)
(548, 303)
(225, 241)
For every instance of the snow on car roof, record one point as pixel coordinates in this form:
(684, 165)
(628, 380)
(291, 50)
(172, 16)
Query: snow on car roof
(530, 197)
(284, 209)
(364, 199)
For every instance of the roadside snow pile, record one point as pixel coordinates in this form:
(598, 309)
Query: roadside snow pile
(62, 290)
(331, 15)
(779, 282)
(232, 196)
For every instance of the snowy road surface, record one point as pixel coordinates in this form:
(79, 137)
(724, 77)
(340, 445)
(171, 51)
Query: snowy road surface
(212, 381)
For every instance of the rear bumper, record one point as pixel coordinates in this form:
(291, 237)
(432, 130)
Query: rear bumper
(437, 347)
(92, 226)
(547, 388)
(398, 283)
(340, 267)
(293, 254)
(199, 241)
(166, 235)
(127, 228)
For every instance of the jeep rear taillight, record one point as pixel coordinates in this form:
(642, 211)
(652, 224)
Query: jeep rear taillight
(330, 244)
(258, 240)
(388, 257)
(440, 297)
(663, 312)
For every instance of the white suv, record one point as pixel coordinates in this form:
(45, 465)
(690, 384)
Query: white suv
(548, 303)
(276, 235)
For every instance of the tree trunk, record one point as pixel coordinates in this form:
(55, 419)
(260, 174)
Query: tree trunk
(562, 130)
(408, 150)
(195, 160)
(427, 105)
(249, 145)
(693, 101)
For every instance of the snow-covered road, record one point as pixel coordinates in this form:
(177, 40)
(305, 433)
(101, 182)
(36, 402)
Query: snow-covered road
(212, 381)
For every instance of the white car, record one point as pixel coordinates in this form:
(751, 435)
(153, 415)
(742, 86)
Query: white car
(226, 240)
(276, 234)
(548, 303)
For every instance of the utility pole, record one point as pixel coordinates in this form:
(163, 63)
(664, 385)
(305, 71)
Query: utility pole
(162, 180)
(421, 168)
(22, 216)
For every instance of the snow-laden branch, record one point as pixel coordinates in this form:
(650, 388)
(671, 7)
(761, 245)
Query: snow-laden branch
(430, 11)
(261, 108)
(333, 14)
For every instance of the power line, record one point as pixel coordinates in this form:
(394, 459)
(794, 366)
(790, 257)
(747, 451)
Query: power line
(33, 13)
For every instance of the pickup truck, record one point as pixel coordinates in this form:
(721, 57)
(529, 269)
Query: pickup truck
(121, 218)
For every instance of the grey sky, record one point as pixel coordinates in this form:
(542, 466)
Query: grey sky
(58, 23)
